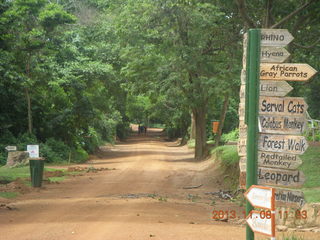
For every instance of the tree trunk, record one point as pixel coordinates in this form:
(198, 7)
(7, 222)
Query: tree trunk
(199, 114)
(193, 127)
(222, 118)
(29, 111)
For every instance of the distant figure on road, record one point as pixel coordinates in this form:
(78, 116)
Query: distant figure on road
(145, 130)
(139, 129)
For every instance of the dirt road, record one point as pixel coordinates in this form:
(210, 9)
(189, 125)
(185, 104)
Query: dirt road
(143, 198)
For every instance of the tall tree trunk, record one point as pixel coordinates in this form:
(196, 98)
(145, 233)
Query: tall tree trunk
(29, 111)
(193, 127)
(222, 118)
(199, 114)
(28, 97)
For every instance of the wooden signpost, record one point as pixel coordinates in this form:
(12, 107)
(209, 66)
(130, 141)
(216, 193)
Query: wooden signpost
(286, 71)
(289, 106)
(275, 37)
(282, 124)
(279, 120)
(274, 88)
(280, 177)
(282, 143)
(273, 54)
(278, 160)
(289, 198)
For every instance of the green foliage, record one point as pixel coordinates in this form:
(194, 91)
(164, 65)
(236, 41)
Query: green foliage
(310, 159)
(14, 173)
(8, 194)
(56, 179)
(228, 154)
(311, 187)
(232, 136)
(54, 151)
(79, 155)
(228, 158)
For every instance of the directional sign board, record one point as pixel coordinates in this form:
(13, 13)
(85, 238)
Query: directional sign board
(286, 197)
(280, 177)
(289, 106)
(286, 72)
(259, 224)
(259, 196)
(282, 143)
(275, 37)
(278, 160)
(274, 88)
(11, 148)
(273, 54)
(282, 124)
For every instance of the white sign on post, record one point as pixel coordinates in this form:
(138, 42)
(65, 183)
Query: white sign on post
(260, 223)
(11, 148)
(259, 196)
(33, 151)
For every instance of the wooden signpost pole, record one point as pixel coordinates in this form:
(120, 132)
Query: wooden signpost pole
(251, 116)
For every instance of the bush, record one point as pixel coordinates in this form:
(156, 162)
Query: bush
(26, 139)
(92, 140)
(231, 136)
(79, 155)
(54, 151)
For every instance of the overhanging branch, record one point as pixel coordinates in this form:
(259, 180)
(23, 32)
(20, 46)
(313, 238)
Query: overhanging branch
(307, 47)
(244, 14)
(304, 6)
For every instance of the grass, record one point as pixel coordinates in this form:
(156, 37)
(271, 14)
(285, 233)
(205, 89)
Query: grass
(8, 194)
(56, 179)
(228, 154)
(192, 143)
(310, 168)
(14, 173)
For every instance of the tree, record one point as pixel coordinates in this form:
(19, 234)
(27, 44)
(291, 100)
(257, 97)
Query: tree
(31, 23)
(179, 45)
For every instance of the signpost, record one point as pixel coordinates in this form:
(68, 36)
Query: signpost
(274, 88)
(286, 71)
(285, 197)
(282, 124)
(273, 54)
(260, 224)
(273, 121)
(275, 37)
(278, 160)
(11, 148)
(282, 143)
(280, 177)
(260, 221)
(289, 106)
(260, 197)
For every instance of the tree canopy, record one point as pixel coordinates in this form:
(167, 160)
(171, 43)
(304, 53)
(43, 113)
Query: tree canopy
(77, 73)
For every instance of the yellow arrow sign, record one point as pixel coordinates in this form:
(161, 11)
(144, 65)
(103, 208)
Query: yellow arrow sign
(286, 72)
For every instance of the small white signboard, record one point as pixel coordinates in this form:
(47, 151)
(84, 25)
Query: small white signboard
(11, 148)
(33, 151)
(259, 196)
(259, 223)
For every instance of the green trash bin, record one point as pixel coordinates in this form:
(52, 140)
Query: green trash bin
(36, 172)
